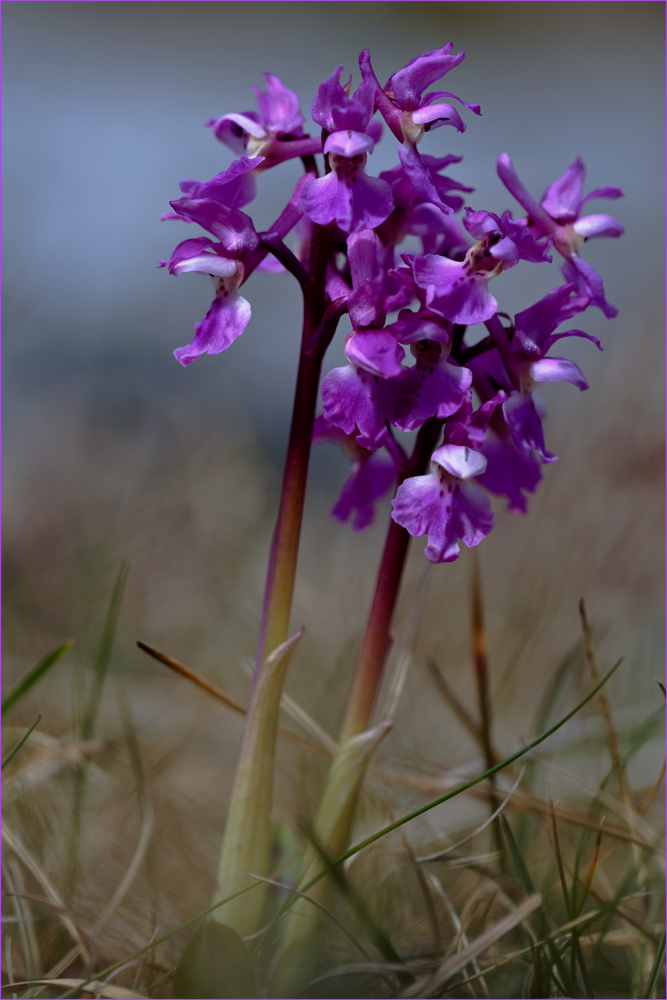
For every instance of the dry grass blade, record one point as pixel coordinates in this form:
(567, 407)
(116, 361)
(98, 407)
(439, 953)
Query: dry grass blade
(524, 952)
(23, 917)
(605, 711)
(15, 845)
(653, 791)
(460, 937)
(130, 874)
(184, 671)
(54, 755)
(146, 826)
(591, 872)
(569, 814)
(301, 716)
(487, 822)
(451, 966)
(426, 894)
(329, 747)
(452, 700)
(96, 988)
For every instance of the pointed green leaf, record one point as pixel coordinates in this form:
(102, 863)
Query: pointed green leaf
(247, 842)
(24, 686)
(17, 746)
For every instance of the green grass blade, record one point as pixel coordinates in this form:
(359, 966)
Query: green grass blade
(655, 971)
(453, 793)
(89, 721)
(475, 781)
(24, 686)
(529, 887)
(104, 655)
(17, 746)
(517, 857)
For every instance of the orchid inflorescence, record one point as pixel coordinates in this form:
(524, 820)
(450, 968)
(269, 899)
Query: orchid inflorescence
(500, 445)
(470, 400)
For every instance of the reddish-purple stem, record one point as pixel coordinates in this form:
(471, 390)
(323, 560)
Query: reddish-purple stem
(285, 544)
(376, 642)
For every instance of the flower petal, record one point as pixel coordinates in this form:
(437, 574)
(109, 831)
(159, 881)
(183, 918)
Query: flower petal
(461, 297)
(525, 426)
(279, 107)
(233, 228)
(369, 480)
(207, 263)
(233, 130)
(354, 399)
(443, 114)
(436, 387)
(510, 179)
(224, 322)
(377, 351)
(460, 461)
(409, 83)
(605, 192)
(363, 205)
(420, 177)
(558, 370)
(590, 226)
(509, 471)
(444, 509)
(595, 286)
(562, 199)
(349, 143)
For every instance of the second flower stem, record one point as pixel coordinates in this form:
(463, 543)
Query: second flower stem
(285, 544)
(372, 657)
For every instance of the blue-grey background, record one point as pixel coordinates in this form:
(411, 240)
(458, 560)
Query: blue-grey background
(112, 450)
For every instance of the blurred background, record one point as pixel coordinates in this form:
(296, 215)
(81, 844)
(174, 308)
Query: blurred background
(112, 451)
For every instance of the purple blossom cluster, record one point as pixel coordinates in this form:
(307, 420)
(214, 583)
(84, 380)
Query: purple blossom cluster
(409, 361)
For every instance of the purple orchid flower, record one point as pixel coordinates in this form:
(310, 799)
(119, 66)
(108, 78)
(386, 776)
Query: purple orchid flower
(372, 476)
(459, 289)
(435, 385)
(517, 242)
(228, 262)
(443, 505)
(510, 472)
(230, 312)
(413, 215)
(362, 396)
(526, 363)
(360, 402)
(265, 133)
(347, 195)
(558, 218)
(409, 113)
(234, 187)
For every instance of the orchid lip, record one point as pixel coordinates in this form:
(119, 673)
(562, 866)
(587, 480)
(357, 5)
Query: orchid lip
(459, 460)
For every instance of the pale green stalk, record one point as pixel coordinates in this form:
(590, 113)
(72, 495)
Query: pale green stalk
(306, 923)
(247, 841)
